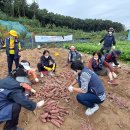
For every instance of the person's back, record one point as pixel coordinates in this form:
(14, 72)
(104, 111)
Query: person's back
(95, 85)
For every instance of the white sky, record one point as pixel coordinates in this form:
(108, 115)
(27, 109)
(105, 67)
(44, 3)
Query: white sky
(115, 10)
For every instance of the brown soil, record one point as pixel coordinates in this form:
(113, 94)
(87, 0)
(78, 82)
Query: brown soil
(114, 113)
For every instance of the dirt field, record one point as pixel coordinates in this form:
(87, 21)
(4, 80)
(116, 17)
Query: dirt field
(114, 113)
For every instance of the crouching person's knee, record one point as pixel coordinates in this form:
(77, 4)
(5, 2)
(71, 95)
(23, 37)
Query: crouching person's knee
(79, 98)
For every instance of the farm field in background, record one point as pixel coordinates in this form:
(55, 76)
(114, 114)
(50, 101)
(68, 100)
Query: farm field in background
(89, 48)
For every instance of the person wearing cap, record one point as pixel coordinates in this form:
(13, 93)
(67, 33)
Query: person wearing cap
(74, 55)
(90, 91)
(12, 98)
(13, 48)
(109, 41)
(102, 68)
(47, 64)
(29, 70)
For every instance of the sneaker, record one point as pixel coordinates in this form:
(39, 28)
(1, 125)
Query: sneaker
(41, 75)
(51, 73)
(112, 82)
(36, 79)
(91, 111)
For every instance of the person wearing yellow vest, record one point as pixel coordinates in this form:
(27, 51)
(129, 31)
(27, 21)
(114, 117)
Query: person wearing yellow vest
(13, 48)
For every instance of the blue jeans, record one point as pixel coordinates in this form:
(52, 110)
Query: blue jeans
(88, 99)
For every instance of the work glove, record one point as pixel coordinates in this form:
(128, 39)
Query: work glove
(113, 47)
(99, 43)
(71, 88)
(53, 67)
(119, 66)
(33, 91)
(114, 75)
(48, 68)
(28, 87)
(40, 103)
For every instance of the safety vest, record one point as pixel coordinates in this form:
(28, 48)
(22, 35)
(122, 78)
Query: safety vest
(16, 48)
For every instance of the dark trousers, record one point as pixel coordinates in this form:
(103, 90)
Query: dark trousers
(88, 99)
(10, 60)
(107, 50)
(41, 68)
(12, 124)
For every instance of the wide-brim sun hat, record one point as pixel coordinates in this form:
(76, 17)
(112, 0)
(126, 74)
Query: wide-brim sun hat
(25, 65)
(23, 79)
(13, 33)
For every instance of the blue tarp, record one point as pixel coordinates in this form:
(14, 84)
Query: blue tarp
(15, 26)
(129, 35)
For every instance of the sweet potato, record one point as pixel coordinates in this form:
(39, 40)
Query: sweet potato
(43, 116)
(59, 121)
(52, 117)
(43, 120)
(54, 111)
(54, 122)
(60, 118)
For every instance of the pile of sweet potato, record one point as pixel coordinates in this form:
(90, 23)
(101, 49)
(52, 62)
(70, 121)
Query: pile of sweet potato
(55, 88)
(53, 113)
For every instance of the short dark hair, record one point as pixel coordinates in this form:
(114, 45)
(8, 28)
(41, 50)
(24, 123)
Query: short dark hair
(77, 65)
(45, 51)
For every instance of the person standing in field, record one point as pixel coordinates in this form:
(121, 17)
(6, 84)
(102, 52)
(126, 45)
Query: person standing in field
(13, 48)
(109, 41)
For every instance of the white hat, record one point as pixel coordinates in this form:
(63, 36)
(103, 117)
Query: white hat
(23, 79)
(72, 47)
(25, 65)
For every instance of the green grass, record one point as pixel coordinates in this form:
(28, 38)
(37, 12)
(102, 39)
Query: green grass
(89, 48)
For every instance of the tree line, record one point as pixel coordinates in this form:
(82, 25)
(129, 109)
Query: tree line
(20, 8)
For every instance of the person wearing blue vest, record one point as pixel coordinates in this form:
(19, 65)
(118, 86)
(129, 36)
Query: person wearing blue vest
(12, 98)
(74, 55)
(13, 48)
(91, 90)
(109, 41)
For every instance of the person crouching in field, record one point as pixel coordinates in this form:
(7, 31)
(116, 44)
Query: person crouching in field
(112, 57)
(29, 70)
(47, 64)
(91, 90)
(102, 68)
(12, 98)
(74, 55)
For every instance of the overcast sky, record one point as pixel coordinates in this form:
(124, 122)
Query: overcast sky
(115, 10)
